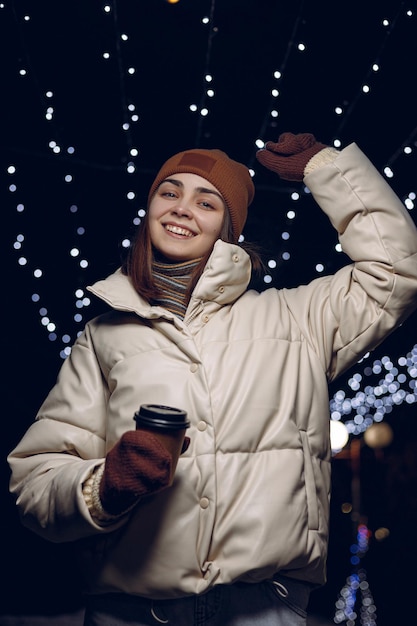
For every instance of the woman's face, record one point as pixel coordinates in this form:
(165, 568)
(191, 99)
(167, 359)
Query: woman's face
(185, 217)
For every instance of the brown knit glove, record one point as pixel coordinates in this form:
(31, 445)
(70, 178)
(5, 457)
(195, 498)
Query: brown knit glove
(137, 465)
(289, 155)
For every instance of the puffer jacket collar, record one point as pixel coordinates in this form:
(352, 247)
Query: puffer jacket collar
(225, 277)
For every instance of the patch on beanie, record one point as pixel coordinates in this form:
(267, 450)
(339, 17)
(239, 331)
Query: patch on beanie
(203, 162)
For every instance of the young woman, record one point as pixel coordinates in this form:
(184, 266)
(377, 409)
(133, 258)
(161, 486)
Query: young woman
(239, 535)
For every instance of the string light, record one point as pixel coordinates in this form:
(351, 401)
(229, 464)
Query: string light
(357, 584)
(203, 107)
(372, 402)
(362, 405)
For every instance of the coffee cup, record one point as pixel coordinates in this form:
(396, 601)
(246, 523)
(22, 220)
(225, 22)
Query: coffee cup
(168, 424)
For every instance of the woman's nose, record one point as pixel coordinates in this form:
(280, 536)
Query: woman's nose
(182, 208)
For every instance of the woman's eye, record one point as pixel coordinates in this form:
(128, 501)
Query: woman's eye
(206, 205)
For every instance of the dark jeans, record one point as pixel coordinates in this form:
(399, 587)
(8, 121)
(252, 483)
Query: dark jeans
(278, 602)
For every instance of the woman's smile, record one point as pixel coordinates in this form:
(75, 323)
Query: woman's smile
(178, 230)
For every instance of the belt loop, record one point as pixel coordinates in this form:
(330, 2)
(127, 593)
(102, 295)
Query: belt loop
(281, 589)
(158, 619)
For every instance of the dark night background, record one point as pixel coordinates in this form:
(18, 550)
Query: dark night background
(60, 46)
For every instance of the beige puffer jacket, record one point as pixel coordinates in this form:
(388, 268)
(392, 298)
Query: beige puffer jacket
(251, 369)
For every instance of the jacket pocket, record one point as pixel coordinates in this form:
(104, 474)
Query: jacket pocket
(310, 484)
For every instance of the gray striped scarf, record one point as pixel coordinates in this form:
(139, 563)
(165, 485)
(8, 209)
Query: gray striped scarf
(172, 280)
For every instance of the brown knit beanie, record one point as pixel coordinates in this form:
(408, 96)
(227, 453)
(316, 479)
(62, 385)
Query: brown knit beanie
(231, 178)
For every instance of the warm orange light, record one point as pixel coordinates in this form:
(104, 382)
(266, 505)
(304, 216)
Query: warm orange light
(381, 533)
(379, 435)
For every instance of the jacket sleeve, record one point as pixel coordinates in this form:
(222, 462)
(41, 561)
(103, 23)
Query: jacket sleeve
(353, 311)
(61, 449)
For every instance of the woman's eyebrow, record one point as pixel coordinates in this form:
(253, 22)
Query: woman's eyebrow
(174, 181)
(205, 190)
(179, 183)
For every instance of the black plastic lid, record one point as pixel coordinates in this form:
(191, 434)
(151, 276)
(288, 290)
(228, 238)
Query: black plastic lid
(161, 416)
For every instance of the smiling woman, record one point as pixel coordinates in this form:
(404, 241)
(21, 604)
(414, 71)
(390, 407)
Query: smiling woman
(186, 214)
(235, 530)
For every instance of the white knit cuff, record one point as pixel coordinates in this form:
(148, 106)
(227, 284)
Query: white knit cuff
(324, 157)
(92, 497)
(91, 493)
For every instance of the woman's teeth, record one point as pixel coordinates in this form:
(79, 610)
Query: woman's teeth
(179, 231)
